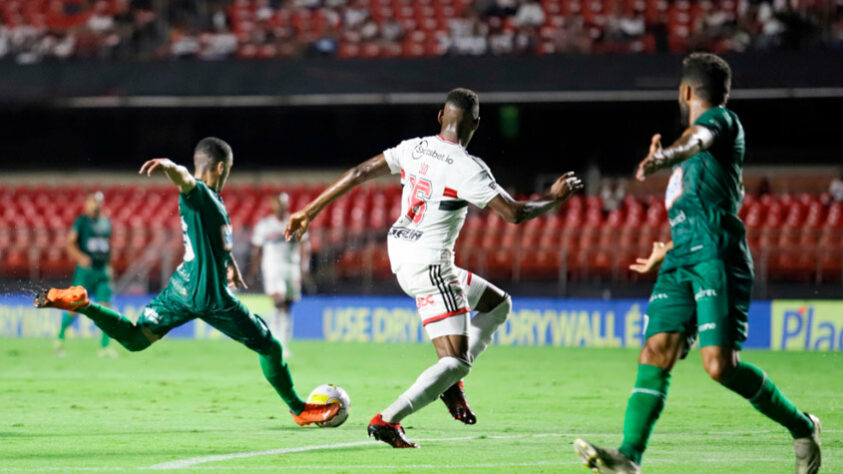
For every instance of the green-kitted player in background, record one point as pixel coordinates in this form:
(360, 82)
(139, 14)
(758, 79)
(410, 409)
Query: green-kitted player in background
(89, 244)
(201, 286)
(705, 282)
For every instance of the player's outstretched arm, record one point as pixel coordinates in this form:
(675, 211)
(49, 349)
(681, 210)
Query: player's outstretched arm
(178, 174)
(369, 169)
(694, 139)
(654, 261)
(235, 278)
(517, 212)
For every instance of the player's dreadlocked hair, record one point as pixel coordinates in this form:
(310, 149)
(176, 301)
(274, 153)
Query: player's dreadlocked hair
(709, 75)
(210, 151)
(465, 99)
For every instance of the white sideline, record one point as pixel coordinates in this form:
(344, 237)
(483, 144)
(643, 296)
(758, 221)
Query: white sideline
(183, 463)
(191, 462)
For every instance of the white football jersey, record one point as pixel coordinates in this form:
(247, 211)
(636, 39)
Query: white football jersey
(279, 256)
(439, 180)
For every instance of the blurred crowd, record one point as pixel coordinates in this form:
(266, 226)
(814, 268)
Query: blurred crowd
(41, 30)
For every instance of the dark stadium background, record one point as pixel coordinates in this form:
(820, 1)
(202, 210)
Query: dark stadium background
(147, 79)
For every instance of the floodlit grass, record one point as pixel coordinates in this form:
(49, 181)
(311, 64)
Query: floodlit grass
(191, 399)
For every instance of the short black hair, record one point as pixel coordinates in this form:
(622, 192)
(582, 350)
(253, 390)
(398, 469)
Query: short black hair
(709, 75)
(465, 99)
(210, 151)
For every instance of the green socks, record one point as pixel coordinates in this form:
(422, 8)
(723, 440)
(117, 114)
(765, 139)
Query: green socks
(66, 321)
(643, 409)
(752, 383)
(117, 326)
(278, 374)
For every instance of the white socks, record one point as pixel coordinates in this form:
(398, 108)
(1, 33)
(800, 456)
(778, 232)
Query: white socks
(482, 328)
(282, 327)
(430, 384)
(449, 370)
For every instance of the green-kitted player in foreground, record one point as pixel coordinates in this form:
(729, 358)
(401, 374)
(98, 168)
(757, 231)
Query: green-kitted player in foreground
(201, 285)
(706, 276)
(89, 243)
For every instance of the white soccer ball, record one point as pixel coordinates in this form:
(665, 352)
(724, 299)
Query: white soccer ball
(330, 393)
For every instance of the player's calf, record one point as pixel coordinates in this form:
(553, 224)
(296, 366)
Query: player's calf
(454, 399)
(390, 433)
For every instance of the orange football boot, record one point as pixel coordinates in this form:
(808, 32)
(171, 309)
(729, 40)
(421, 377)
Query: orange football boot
(69, 299)
(314, 413)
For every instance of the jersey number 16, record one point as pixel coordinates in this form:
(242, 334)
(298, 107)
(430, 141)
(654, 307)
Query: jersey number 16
(422, 189)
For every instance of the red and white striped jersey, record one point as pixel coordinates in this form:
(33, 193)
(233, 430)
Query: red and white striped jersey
(439, 180)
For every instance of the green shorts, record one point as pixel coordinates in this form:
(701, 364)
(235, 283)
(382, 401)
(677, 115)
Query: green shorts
(96, 280)
(233, 319)
(706, 299)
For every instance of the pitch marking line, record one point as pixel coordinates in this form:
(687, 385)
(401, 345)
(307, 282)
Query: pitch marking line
(190, 462)
(184, 463)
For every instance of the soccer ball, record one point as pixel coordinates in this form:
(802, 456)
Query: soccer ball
(329, 393)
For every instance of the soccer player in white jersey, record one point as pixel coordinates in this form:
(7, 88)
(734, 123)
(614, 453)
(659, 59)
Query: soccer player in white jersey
(440, 179)
(282, 265)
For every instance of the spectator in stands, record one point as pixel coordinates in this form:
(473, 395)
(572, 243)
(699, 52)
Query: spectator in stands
(391, 30)
(530, 13)
(612, 193)
(835, 189)
(468, 34)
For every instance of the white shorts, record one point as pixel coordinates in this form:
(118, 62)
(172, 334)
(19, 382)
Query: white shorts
(285, 286)
(444, 295)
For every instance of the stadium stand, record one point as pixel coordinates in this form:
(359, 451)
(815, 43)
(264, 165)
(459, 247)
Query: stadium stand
(37, 30)
(794, 237)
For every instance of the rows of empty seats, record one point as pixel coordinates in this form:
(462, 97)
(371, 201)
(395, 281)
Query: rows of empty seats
(792, 237)
(36, 30)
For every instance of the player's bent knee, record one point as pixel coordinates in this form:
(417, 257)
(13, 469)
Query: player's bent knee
(458, 368)
(136, 343)
(719, 369)
(502, 310)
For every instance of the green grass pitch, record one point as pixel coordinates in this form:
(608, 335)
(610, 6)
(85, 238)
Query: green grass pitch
(183, 400)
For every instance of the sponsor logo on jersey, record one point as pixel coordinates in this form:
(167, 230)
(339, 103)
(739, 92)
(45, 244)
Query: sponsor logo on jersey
(674, 187)
(658, 296)
(678, 219)
(151, 315)
(704, 293)
(404, 233)
(423, 301)
(421, 150)
(708, 327)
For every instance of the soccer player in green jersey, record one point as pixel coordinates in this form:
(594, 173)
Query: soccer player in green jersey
(89, 243)
(704, 284)
(202, 285)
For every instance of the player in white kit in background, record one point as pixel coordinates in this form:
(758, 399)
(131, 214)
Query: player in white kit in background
(439, 180)
(282, 266)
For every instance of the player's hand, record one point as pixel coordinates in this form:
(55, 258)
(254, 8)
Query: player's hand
(648, 165)
(297, 226)
(646, 265)
(235, 278)
(85, 261)
(565, 186)
(156, 165)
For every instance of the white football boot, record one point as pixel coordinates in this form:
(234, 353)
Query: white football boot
(604, 461)
(808, 456)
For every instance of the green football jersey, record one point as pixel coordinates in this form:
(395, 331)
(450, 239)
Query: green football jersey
(200, 281)
(94, 239)
(704, 196)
